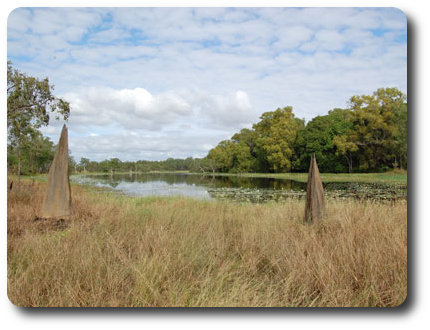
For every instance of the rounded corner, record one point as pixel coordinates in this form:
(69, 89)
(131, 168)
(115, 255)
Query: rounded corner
(400, 11)
(11, 12)
(403, 304)
(14, 303)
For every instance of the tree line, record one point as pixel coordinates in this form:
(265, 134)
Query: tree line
(370, 135)
(116, 165)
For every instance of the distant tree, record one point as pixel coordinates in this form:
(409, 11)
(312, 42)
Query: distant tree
(243, 161)
(12, 159)
(29, 104)
(72, 163)
(103, 166)
(277, 133)
(199, 165)
(318, 138)
(84, 164)
(40, 153)
(114, 164)
(245, 157)
(37, 154)
(189, 163)
(221, 157)
(401, 136)
(346, 148)
(246, 136)
(375, 136)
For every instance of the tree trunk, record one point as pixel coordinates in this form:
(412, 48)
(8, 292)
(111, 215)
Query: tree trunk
(349, 161)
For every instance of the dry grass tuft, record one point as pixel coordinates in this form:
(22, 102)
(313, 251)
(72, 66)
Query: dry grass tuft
(119, 251)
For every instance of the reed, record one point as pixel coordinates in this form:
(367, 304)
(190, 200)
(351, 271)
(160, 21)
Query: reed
(122, 251)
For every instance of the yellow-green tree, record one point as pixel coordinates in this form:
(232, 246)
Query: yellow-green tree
(244, 151)
(221, 157)
(277, 133)
(374, 137)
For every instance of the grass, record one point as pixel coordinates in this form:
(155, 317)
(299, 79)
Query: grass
(122, 251)
(394, 177)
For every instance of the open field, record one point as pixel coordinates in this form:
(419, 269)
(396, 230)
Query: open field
(122, 251)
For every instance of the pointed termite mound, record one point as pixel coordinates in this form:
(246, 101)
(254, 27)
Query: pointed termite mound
(58, 198)
(315, 203)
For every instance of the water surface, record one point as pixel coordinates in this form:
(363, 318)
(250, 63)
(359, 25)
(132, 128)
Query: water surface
(236, 188)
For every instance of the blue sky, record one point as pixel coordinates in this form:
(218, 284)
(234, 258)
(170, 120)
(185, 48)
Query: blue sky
(153, 83)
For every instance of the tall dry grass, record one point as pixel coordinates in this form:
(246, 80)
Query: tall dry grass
(119, 251)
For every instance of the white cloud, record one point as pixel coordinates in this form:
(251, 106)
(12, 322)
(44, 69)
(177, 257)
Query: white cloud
(138, 109)
(131, 146)
(330, 39)
(292, 36)
(129, 108)
(109, 35)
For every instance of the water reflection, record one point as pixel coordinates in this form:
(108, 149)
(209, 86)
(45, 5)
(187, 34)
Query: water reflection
(243, 189)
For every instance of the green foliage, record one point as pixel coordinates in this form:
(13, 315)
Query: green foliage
(318, 138)
(371, 135)
(245, 151)
(377, 139)
(401, 137)
(29, 101)
(277, 133)
(29, 104)
(222, 156)
(267, 147)
(243, 160)
(37, 154)
(116, 165)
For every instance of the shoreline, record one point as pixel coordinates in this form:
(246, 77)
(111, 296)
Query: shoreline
(385, 178)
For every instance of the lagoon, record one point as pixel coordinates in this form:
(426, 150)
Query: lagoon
(234, 188)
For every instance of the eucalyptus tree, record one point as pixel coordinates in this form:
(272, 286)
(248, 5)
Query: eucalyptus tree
(378, 136)
(276, 136)
(30, 102)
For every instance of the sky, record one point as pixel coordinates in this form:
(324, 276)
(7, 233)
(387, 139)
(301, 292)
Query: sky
(154, 83)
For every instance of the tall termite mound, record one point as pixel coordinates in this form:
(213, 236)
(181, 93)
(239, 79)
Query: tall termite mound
(58, 199)
(315, 202)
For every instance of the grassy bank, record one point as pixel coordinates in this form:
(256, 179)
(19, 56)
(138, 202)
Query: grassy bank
(121, 251)
(387, 178)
